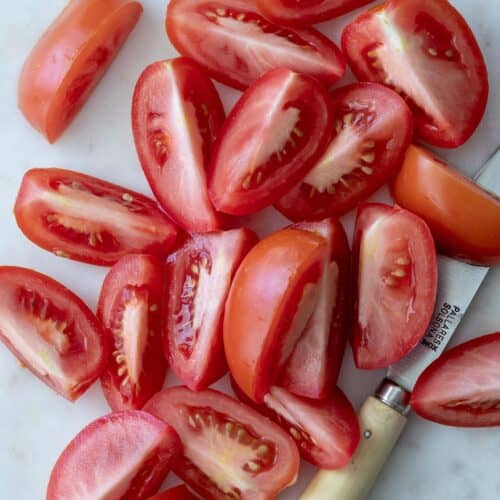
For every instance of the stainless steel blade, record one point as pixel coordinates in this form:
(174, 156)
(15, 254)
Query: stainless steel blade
(458, 284)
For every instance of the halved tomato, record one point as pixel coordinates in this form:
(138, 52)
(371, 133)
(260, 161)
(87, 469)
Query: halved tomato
(425, 50)
(51, 331)
(130, 310)
(396, 269)
(69, 60)
(199, 275)
(83, 218)
(237, 45)
(176, 116)
(230, 450)
(272, 137)
(462, 387)
(272, 297)
(177, 493)
(121, 455)
(313, 368)
(374, 127)
(463, 217)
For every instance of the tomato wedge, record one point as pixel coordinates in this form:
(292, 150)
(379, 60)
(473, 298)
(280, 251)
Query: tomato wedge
(230, 450)
(313, 368)
(176, 116)
(83, 218)
(463, 217)
(272, 297)
(129, 309)
(69, 60)
(272, 137)
(178, 493)
(199, 275)
(374, 127)
(121, 455)
(425, 50)
(396, 268)
(51, 331)
(462, 387)
(237, 45)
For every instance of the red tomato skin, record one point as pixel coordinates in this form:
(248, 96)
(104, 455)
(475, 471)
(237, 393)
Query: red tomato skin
(82, 26)
(192, 209)
(177, 493)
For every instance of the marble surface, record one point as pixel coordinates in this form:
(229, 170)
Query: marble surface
(430, 461)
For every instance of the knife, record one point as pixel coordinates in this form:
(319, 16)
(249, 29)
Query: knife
(383, 416)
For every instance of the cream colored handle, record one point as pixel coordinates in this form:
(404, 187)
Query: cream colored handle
(380, 429)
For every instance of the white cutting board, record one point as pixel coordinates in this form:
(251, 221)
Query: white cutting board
(430, 462)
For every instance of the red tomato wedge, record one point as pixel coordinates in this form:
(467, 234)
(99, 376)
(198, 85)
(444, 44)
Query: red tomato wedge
(374, 127)
(51, 331)
(176, 116)
(272, 137)
(130, 310)
(313, 368)
(237, 45)
(69, 60)
(121, 455)
(272, 297)
(463, 217)
(199, 275)
(462, 387)
(425, 50)
(178, 493)
(230, 450)
(83, 218)
(396, 269)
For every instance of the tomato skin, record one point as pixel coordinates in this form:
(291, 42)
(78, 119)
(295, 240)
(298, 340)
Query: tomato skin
(75, 347)
(198, 28)
(460, 388)
(463, 217)
(133, 445)
(49, 199)
(177, 493)
(174, 158)
(69, 60)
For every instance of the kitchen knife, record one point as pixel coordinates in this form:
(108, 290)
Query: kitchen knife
(383, 416)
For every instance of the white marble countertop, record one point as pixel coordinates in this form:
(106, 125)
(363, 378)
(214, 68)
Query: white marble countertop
(430, 461)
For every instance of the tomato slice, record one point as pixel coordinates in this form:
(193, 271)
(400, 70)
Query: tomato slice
(462, 387)
(230, 450)
(69, 60)
(129, 309)
(51, 331)
(237, 45)
(176, 116)
(271, 299)
(83, 218)
(396, 270)
(199, 275)
(463, 217)
(313, 368)
(178, 493)
(425, 50)
(121, 455)
(271, 139)
(374, 127)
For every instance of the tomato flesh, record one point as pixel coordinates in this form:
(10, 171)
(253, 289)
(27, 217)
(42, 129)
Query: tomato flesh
(178, 493)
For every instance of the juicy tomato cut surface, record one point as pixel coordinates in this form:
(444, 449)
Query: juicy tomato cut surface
(51, 331)
(199, 276)
(177, 493)
(69, 60)
(124, 455)
(463, 217)
(236, 44)
(373, 129)
(396, 279)
(83, 218)
(271, 139)
(230, 450)
(462, 387)
(176, 116)
(425, 50)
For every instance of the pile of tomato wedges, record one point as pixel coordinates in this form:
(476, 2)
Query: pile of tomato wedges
(191, 289)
